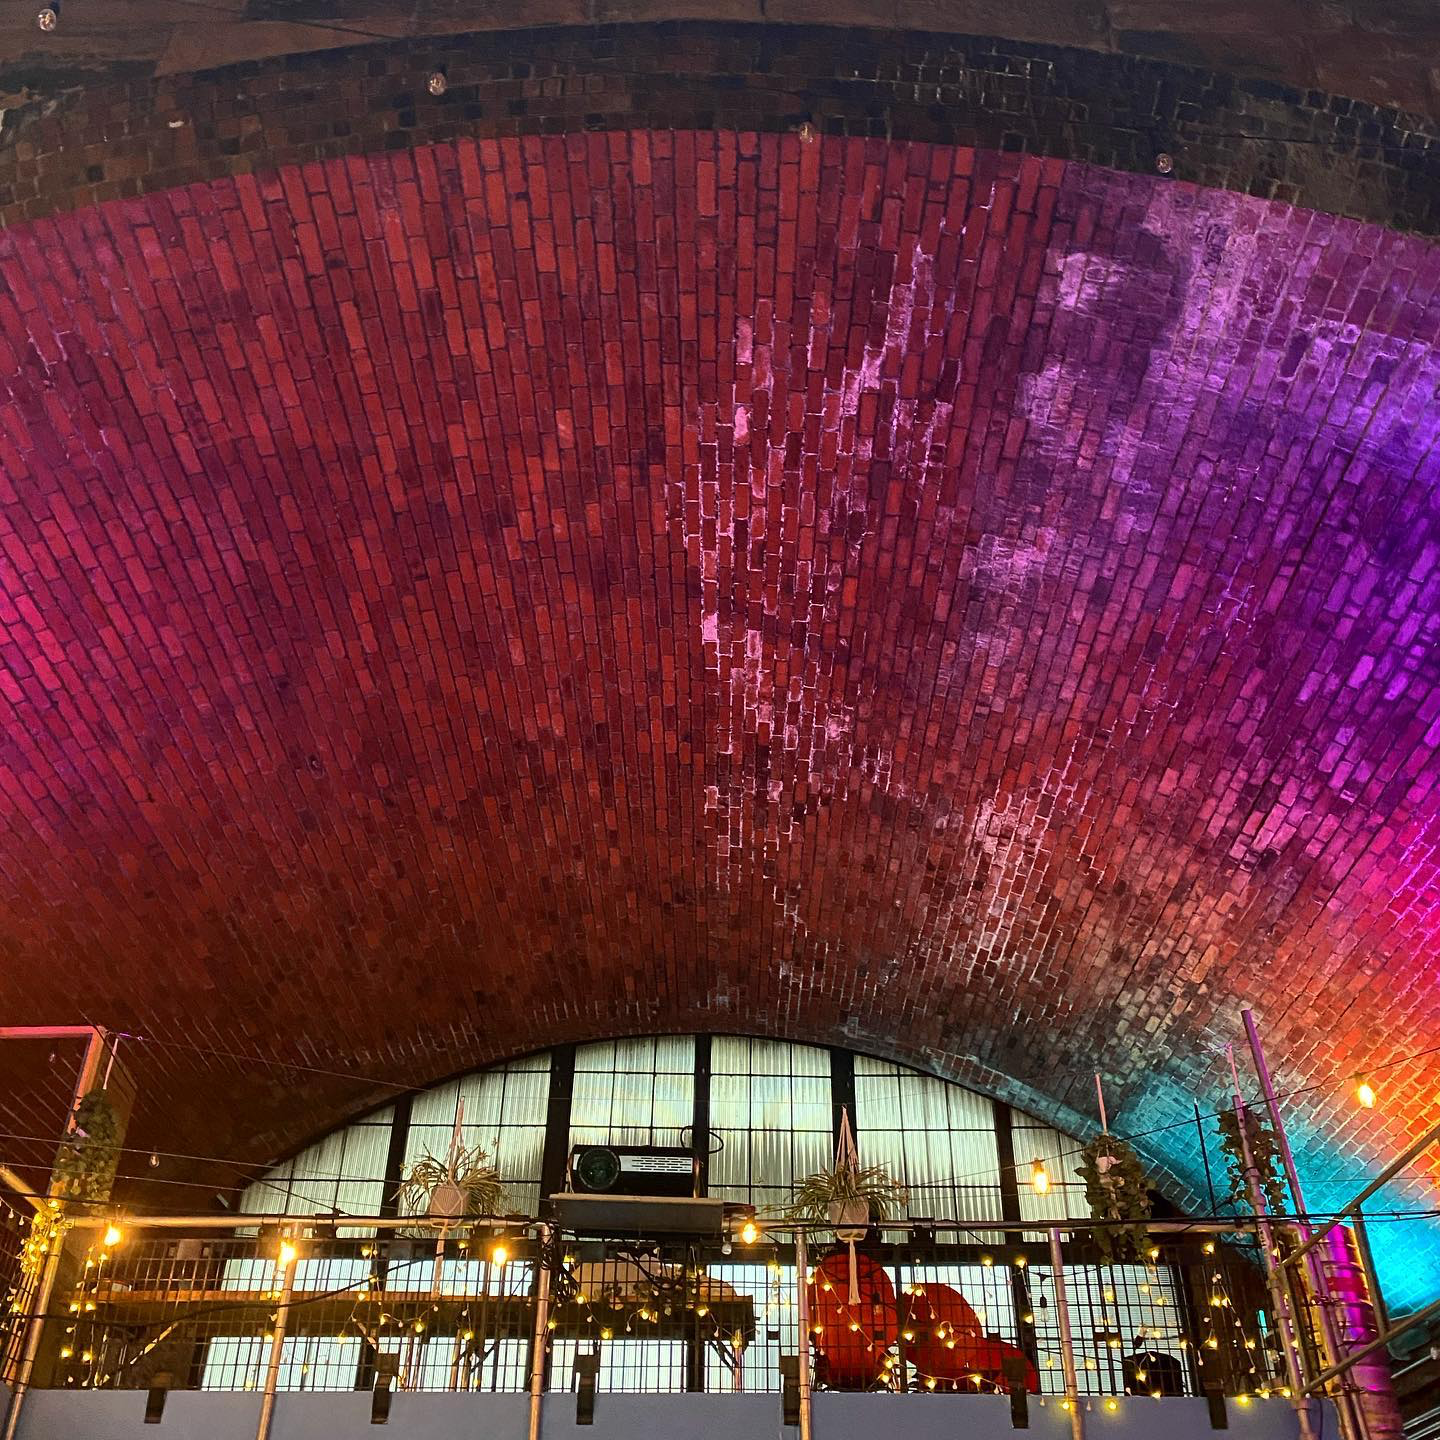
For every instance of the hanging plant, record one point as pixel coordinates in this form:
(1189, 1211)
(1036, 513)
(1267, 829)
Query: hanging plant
(1117, 1192)
(86, 1161)
(1264, 1153)
(848, 1196)
(465, 1185)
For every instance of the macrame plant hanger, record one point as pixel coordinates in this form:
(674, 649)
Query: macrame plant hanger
(847, 1157)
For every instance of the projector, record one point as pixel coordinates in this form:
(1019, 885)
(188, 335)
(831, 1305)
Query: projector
(654, 1170)
(644, 1216)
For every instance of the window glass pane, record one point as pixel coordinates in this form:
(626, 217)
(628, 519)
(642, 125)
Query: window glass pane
(936, 1138)
(1115, 1311)
(770, 1110)
(345, 1171)
(771, 1121)
(1060, 1155)
(503, 1111)
(637, 1366)
(270, 1195)
(362, 1188)
(634, 1092)
(772, 1293)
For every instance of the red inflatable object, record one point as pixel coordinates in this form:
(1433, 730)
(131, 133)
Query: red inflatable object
(951, 1349)
(846, 1358)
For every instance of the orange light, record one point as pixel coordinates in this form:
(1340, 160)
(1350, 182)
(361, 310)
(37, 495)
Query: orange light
(498, 1253)
(113, 1236)
(749, 1232)
(1040, 1178)
(1365, 1093)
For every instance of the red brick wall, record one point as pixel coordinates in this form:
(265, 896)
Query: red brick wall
(979, 608)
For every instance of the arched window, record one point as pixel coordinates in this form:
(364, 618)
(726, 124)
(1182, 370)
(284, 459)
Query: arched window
(763, 1112)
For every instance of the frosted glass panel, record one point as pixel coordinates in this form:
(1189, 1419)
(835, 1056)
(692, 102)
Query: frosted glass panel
(1061, 1155)
(501, 1110)
(649, 1054)
(771, 1117)
(345, 1171)
(270, 1195)
(634, 1092)
(938, 1138)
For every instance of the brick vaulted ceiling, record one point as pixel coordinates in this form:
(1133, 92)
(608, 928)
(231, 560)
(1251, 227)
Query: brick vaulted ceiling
(976, 607)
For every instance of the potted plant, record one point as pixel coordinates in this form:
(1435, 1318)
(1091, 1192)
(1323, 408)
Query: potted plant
(465, 1185)
(1265, 1154)
(848, 1196)
(1117, 1193)
(86, 1161)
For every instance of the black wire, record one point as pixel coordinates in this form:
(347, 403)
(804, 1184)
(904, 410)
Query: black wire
(419, 1089)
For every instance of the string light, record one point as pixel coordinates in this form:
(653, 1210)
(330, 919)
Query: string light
(899, 1373)
(749, 1233)
(1039, 1177)
(1365, 1093)
(113, 1236)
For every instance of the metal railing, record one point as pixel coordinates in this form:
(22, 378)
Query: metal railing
(14, 1231)
(942, 1308)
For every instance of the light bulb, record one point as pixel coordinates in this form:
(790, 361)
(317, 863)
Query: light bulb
(1365, 1093)
(498, 1253)
(287, 1252)
(1039, 1178)
(113, 1236)
(749, 1232)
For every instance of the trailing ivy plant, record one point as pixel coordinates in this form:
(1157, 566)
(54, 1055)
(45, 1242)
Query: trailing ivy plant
(1264, 1152)
(1117, 1193)
(85, 1163)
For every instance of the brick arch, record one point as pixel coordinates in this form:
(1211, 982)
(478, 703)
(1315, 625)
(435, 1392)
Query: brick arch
(129, 131)
(964, 605)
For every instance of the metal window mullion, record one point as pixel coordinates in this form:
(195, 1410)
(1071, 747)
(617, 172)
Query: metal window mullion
(558, 1111)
